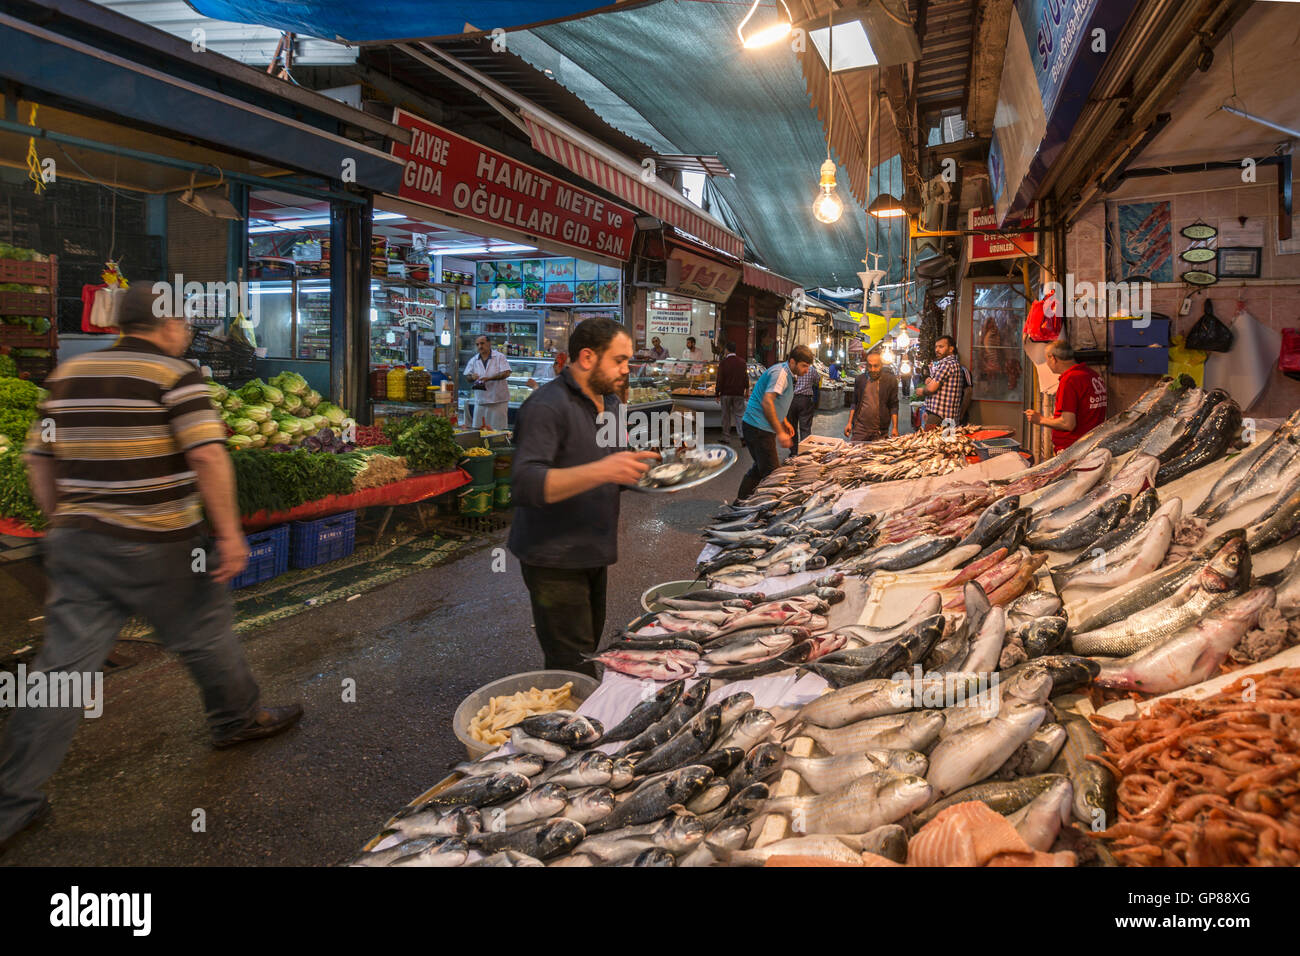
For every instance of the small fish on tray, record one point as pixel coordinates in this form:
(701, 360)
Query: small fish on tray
(686, 467)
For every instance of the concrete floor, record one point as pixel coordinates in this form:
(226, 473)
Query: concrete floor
(128, 791)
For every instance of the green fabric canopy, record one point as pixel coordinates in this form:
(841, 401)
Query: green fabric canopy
(674, 76)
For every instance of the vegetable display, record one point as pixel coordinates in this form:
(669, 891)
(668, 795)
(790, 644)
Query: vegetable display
(277, 481)
(282, 413)
(426, 442)
(16, 499)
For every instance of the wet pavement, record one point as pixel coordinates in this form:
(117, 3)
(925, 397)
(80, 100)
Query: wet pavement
(141, 785)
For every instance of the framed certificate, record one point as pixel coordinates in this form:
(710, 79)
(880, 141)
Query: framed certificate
(1239, 262)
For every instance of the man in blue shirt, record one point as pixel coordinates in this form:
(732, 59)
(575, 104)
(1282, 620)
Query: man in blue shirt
(764, 424)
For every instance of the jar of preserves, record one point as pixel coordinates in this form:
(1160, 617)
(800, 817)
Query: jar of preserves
(397, 384)
(418, 381)
(379, 383)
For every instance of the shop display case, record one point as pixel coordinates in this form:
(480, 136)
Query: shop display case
(690, 386)
(293, 320)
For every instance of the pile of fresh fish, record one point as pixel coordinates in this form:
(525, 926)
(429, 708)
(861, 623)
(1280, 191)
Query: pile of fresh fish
(916, 455)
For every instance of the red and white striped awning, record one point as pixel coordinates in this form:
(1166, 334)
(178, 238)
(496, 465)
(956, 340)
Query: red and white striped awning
(760, 278)
(578, 159)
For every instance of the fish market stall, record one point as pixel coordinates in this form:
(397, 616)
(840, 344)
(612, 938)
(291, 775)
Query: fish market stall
(941, 672)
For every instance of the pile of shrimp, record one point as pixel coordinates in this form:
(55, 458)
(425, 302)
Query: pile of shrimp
(1213, 782)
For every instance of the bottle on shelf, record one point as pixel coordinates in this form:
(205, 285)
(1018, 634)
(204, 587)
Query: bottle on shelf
(397, 384)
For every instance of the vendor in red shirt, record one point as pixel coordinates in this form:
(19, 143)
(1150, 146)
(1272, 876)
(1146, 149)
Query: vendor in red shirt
(1080, 398)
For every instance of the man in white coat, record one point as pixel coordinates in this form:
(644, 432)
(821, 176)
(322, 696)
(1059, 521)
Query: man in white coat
(488, 370)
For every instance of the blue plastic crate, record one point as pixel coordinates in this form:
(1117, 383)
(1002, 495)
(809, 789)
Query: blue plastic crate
(325, 539)
(268, 556)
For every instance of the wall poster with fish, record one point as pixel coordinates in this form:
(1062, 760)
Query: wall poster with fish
(997, 361)
(1146, 241)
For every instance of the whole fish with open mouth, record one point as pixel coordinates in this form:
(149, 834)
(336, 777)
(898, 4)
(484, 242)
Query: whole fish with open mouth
(917, 641)
(1094, 787)
(1032, 605)
(749, 651)
(905, 554)
(653, 799)
(912, 731)
(678, 833)
(989, 526)
(1265, 479)
(541, 840)
(562, 727)
(1226, 575)
(1002, 796)
(1134, 477)
(1035, 755)
(971, 754)
(761, 764)
(1191, 655)
(865, 804)
(540, 803)
(826, 583)
(423, 849)
(530, 765)
(824, 774)
(1087, 528)
(586, 769)
(1040, 636)
(481, 791)
(1086, 474)
(1171, 431)
(1211, 440)
(804, 650)
(1281, 523)
(684, 746)
(929, 606)
(1068, 672)
(987, 645)
(881, 697)
(1110, 572)
(689, 703)
(1030, 686)
(436, 822)
(1039, 822)
(1012, 538)
(753, 727)
(1245, 463)
(1142, 513)
(589, 804)
(1121, 602)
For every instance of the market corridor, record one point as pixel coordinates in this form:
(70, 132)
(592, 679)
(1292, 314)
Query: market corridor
(134, 778)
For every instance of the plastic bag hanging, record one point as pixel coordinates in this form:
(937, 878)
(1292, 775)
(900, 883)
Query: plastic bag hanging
(1044, 321)
(1209, 334)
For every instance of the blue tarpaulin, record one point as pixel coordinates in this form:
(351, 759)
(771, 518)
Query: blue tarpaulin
(353, 22)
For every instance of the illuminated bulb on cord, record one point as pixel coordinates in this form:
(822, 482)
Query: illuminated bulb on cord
(827, 207)
(905, 368)
(903, 340)
(887, 356)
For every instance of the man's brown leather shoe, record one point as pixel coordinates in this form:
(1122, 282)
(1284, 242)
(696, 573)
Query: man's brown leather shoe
(268, 722)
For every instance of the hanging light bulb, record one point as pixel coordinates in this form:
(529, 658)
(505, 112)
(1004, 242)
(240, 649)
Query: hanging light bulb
(887, 355)
(827, 207)
(902, 340)
(766, 35)
(905, 368)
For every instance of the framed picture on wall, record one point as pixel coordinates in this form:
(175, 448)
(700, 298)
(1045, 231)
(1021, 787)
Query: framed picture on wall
(1240, 262)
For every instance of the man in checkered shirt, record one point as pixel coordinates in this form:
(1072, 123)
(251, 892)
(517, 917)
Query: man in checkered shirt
(943, 387)
(803, 406)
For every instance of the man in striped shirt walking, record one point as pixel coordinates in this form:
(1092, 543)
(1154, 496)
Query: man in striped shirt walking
(127, 455)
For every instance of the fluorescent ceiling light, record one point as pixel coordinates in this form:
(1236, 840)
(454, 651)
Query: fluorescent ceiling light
(852, 49)
(290, 225)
